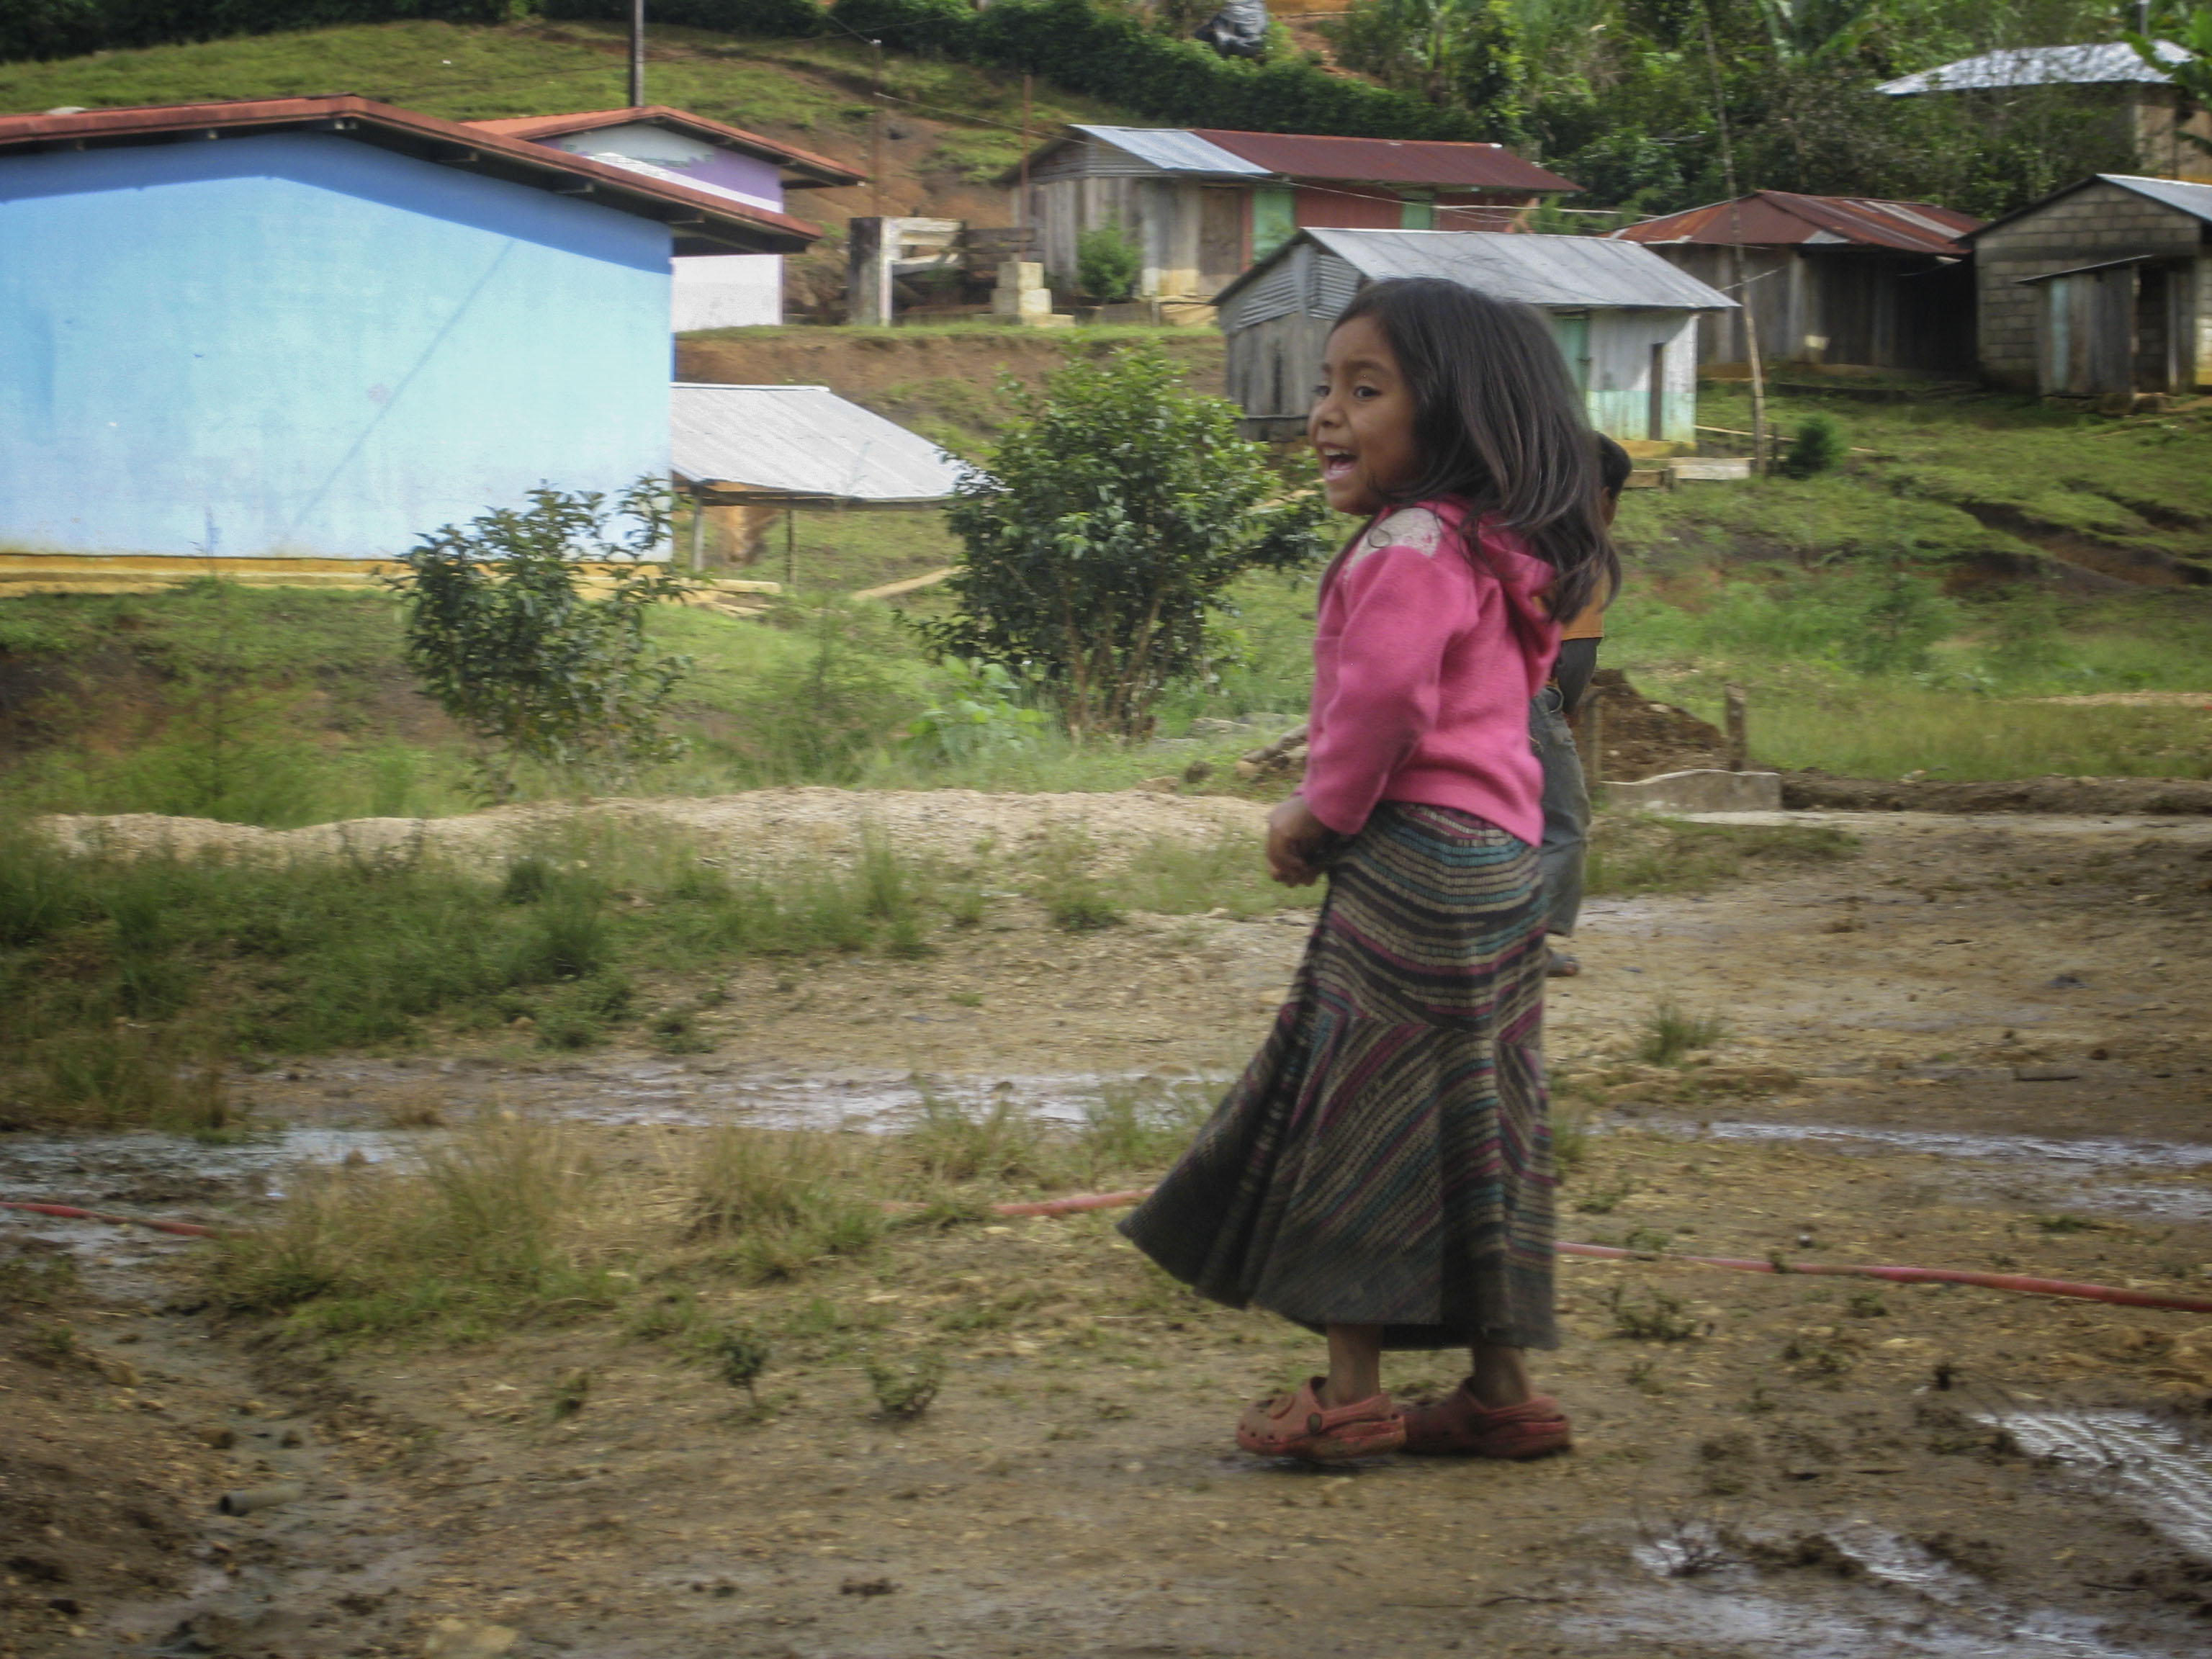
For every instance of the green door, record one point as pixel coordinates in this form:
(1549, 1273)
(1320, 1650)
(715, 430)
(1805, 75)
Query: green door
(1572, 329)
(1274, 220)
(1418, 213)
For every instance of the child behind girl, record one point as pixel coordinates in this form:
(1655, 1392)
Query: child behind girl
(1382, 1171)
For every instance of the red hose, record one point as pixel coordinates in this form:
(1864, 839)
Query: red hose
(2019, 1284)
(70, 1212)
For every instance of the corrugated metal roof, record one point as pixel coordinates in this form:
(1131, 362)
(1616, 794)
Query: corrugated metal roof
(1172, 149)
(812, 168)
(801, 441)
(1769, 218)
(1557, 273)
(1388, 161)
(2108, 63)
(2194, 199)
(725, 225)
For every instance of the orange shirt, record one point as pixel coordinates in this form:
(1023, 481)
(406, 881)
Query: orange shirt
(1589, 625)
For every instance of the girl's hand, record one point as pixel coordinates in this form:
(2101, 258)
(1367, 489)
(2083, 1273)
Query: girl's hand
(1296, 840)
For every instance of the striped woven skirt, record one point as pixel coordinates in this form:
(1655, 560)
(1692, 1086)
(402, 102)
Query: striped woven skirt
(1386, 1159)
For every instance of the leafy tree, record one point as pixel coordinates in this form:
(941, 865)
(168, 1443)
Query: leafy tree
(1463, 52)
(503, 634)
(2188, 26)
(1107, 263)
(1116, 508)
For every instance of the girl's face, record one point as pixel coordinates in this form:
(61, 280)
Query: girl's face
(1363, 418)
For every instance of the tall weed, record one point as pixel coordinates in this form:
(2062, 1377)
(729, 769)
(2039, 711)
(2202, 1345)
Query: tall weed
(472, 1234)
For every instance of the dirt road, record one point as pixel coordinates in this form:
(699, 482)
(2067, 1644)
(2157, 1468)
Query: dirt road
(1979, 1044)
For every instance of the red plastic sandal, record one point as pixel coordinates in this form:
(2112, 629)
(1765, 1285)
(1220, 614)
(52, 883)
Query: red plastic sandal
(1459, 1426)
(1298, 1425)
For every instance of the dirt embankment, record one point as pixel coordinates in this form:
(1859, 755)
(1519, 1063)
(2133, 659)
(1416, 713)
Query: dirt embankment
(1817, 790)
(944, 383)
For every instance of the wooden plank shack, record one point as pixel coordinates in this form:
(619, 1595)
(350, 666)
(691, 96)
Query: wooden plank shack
(1625, 319)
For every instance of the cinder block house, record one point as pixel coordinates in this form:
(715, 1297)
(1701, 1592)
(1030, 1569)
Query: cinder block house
(1204, 202)
(712, 290)
(1827, 279)
(2102, 289)
(1626, 321)
(310, 329)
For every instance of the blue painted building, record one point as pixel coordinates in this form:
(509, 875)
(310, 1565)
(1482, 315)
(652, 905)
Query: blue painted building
(317, 328)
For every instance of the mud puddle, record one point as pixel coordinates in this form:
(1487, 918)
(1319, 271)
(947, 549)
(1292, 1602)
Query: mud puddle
(2099, 1173)
(2151, 1466)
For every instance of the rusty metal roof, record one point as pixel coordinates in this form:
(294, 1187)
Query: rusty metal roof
(702, 222)
(815, 171)
(1770, 218)
(2105, 63)
(1434, 162)
(801, 443)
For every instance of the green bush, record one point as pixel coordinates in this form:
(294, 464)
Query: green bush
(1818, 447)
(503, 637)
(1108, 264)
(1109, 517)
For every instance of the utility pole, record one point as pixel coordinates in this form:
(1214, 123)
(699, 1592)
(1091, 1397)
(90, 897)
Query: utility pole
(637, 54)
(1022, 204)
(1735, 248)
(875, 137)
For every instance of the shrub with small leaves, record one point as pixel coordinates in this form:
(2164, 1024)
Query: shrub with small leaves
(1818, 447)
(905, 1390)
(741, 1353)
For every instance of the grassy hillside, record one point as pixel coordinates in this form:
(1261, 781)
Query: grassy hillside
(957, 126)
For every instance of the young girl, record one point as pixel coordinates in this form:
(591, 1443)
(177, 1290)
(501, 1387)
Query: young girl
(1382, 1171)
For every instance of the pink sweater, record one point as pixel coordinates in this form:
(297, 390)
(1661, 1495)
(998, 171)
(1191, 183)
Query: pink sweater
(1422, 670)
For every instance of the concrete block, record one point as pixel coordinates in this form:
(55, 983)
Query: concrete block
(1705, 790)
(1710, 469)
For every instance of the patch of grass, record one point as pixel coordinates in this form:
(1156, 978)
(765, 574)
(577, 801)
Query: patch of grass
(1671, 1032)
(1631, 854)
(1570, 1141)
(469, 1236)
(905, 1389)
(954, 1143)
(1069, 888)
(1172, 877)
(127, 980)
(1652, 1316)
(775, 1202)
(1142, 1126)
(36, 1280)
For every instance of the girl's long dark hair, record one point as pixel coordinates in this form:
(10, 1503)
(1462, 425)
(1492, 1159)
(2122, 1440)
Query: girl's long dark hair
(1499, 424)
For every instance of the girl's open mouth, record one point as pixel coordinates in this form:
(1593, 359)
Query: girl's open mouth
(1336, 463)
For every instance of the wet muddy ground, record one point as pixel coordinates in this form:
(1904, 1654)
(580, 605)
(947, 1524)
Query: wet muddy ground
(1980, 1043)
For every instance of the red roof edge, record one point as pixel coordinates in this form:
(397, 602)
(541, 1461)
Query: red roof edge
(329, 114)
(1442, 163)
(560, 126)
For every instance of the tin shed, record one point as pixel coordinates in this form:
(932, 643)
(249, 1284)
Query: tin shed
(1625, 319)
(1829, 279)
(1204, 202)
(2103, 290)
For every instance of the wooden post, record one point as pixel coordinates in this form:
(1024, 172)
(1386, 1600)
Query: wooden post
(1022, 202)
(1739, 740)
(698, 531)
(637, 54)
(876, 141)
(1593, 752)
(790, 553)
(1736, 241)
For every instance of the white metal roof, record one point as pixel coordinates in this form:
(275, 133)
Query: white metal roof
(802, 441)
(1172, 149)
(1555, 273)
(2107, 62)
(2171, 192)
